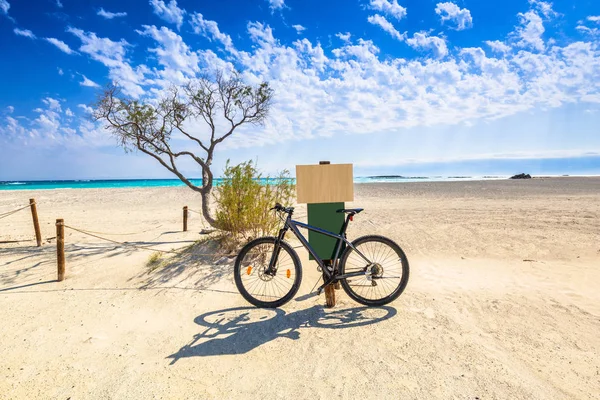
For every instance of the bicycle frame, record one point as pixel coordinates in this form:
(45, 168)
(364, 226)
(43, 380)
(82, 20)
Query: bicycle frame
(341, 238)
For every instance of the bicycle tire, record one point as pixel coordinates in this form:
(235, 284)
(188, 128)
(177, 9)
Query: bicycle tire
(350, 284)
(246, 267)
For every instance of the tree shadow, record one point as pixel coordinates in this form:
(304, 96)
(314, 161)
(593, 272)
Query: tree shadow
(200, 265)
(242, 329)
(46, 255)
(75, 254)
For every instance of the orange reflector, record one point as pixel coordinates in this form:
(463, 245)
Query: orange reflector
(288, 273)
(249, 270)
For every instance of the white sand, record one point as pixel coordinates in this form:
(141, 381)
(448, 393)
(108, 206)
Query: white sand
(476, 320)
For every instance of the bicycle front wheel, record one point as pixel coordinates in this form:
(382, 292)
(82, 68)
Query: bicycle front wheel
(259, 287)
(385, 270)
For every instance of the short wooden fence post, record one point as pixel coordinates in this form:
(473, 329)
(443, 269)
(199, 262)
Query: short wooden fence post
(330, 295)
(60, 248)
(36, 222)
(185, 218)
(329, 289)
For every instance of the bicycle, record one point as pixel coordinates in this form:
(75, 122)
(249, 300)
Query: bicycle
(268, 272)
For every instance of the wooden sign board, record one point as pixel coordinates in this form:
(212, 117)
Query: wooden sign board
(328, 183)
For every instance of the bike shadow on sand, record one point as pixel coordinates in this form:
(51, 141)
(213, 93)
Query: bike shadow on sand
(241, 329)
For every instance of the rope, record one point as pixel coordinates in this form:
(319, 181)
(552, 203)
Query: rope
(119, 234)
(9, 213)
(121, 243)
(199, 213)
(136, 246)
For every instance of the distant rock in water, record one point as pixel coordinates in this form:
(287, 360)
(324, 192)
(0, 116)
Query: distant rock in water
(521, 176)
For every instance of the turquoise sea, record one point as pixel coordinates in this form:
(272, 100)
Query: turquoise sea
(140, 183)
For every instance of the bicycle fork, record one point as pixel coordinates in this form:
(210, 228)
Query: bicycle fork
(272, 269)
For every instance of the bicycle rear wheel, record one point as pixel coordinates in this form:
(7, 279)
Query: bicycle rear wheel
(387, 265)
(261, 289)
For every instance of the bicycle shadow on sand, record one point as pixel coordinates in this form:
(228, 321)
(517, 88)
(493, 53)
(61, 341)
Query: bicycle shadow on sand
(242, 329)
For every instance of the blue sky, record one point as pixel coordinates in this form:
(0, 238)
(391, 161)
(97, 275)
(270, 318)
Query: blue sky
(393, 86)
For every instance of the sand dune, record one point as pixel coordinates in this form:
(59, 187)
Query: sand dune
(503, 302)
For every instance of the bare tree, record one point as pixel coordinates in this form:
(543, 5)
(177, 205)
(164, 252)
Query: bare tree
(148, 126)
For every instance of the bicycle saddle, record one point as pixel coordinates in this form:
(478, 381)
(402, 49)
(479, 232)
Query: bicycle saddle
(350, 211)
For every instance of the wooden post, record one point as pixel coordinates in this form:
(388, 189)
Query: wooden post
(36, 222)
(185, 217)
(329, 289)
(60, 248)
(330, 295)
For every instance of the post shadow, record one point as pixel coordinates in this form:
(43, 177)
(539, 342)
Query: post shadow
(248, 328)
(28, 285)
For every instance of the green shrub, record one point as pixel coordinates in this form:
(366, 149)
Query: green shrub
(244, 198)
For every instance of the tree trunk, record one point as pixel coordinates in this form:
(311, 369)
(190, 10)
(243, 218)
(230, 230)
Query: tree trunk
(206, 208)
(206, 193)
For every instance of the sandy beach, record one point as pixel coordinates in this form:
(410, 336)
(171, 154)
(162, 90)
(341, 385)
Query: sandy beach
(503, 301)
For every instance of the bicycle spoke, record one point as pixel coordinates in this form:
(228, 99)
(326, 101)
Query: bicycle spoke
(385, 265)
(253, 277)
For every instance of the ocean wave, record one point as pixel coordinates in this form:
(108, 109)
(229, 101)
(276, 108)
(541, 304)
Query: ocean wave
(15, 183)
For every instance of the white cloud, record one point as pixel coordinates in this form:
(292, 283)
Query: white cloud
(52, 104)
(390, 7)
(210, 30)
(276, 4)
(110, 15)
(59, 4)
(52, 128)
(451, 12)
(353, 88)
(498, 46)
(61, 45)
(260, 32)
(104, 50)
(24, 32)
(531, 30)
(60, 71)
(422, 41)
(89, 83)
(170, 13)
(179, 62)
(589, 31)
(344, 36)
(4, 6)
(544, 7)
(299, 28)
(10, 109)
(113, 55)
(594, 18)
(87, 109)
(386, 26)
(517, 155)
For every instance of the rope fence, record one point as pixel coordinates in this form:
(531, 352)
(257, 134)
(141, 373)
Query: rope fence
(92, 234)
(60, 236)
(36, 223)
(8, 214)
(60, 246)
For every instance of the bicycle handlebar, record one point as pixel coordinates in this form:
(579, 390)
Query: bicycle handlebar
(279, 207)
